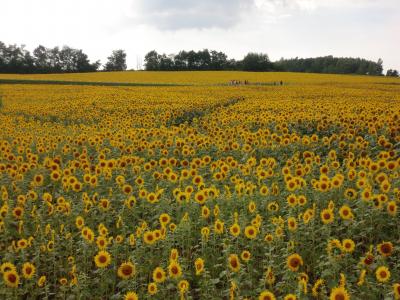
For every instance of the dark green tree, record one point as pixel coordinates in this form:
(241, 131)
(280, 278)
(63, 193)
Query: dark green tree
(116, 61)
(152, 61)
(392, 73)
(256, 62)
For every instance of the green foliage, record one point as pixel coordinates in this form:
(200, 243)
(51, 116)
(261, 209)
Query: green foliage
(257, 62)
(212, 60)
(188, 60)
(392, 73)
(116, 61)
(15, 59)
(332, 65)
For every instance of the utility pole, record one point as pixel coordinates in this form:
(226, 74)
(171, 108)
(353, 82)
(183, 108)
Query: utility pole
(139, 63)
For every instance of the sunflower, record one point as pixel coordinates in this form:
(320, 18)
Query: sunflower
(200, 197)
(152, 288)
(273, 206)
(368, 259)
(235, 229)
(77, 186)
(63, 281)
(348, 245)
(127, 189)
(174, 270)
(382, 274)
(292, 200)
(385, 248)
(174, 254)
(350, 194)
(361, 278)
(252, 207)
(38, 180)
(292, 224)
(269, 238)
(270, 276)
(266, 295)
(205, 212)
(245, 255)
(199, 265)
(11, 278)
(290, 297)
(101, 242)
(392, 208)
(41, 281)
(327, 216)
(302, 200)
(339, 293)
(294, 261)
(317, 287)
(7, 266)
(104, 204)
(149, 238)
(79, 222)
(18, 212)
(102, 259)
(126, 270)
(164, 219)
(131, 296)
(50, 246)
(183, 286)
(219, 226)
(234, 263)
(396, 290)
(28, 270)
(159, 275)
(345, 212)
(152, 198)
(250, 232)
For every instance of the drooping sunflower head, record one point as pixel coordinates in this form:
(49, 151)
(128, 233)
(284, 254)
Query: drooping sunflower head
(234, 263)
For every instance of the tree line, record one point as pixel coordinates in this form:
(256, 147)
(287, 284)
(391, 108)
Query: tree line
(213, 60)
(16, 59)
(333, 65)
(205, 60)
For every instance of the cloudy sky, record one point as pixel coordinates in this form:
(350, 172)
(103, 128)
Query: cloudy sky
(281, 28)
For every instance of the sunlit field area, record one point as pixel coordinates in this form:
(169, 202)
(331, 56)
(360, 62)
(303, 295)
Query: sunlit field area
(286, 187)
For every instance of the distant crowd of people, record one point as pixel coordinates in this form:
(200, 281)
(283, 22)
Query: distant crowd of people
(238, 82)
(246, 82)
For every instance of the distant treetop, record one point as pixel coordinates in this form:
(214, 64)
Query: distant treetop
(16, 59)
(213, 60)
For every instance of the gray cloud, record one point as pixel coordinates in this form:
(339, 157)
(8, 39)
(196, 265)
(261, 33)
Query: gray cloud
(188, 14)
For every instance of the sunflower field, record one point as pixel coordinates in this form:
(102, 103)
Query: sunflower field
(200, 189)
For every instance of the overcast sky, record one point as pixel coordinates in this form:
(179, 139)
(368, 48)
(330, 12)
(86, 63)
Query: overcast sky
(281, 28)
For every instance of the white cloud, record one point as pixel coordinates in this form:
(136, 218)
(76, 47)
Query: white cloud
(285, 28)
(184, 14)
